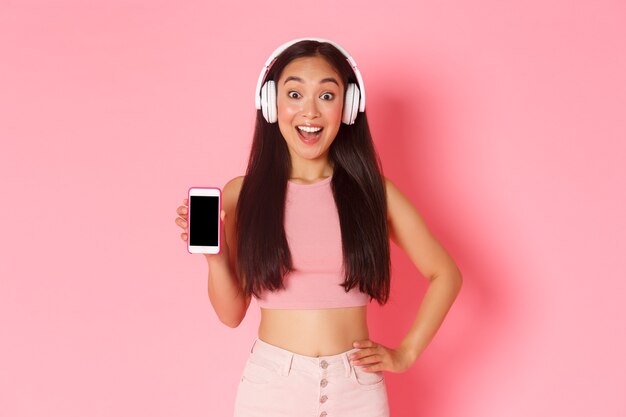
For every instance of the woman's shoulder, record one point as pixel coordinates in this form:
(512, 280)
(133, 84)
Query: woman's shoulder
(399, 206)
(234, 184)
(391, 190)
(230, 192)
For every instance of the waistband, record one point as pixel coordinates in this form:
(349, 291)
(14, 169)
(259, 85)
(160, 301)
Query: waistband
(284, 361)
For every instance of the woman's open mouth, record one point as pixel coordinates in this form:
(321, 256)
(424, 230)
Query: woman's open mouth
(309, 134)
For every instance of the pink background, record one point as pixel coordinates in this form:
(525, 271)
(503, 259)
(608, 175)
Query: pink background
(503, 123)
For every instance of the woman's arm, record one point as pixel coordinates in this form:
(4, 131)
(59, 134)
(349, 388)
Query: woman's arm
(225, 293)
(409, 231)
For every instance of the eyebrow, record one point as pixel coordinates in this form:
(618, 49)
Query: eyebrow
(300, 80)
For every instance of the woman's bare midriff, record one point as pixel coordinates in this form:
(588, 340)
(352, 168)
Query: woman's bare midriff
(314, 333)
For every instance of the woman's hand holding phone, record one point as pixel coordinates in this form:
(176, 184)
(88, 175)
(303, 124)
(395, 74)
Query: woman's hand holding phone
(183, 222)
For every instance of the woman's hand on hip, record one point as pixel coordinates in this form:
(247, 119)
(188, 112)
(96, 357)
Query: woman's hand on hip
(374, 357)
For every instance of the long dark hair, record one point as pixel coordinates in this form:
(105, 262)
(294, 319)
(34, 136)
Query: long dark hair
(263, 255)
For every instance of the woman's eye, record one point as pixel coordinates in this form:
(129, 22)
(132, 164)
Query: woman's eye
(327, 96)
(293, 94)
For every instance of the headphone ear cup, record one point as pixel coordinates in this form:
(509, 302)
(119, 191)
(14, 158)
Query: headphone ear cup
(268, 101)
(351, 104)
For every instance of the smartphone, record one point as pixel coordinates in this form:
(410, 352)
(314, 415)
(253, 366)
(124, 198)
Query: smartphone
(205, 204)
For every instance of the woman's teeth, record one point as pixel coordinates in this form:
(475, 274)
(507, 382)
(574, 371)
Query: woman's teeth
(309, 134)
(309, 129)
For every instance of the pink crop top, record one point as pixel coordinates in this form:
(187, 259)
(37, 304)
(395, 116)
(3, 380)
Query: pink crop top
(314, 237)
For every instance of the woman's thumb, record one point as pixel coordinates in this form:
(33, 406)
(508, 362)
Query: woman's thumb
(223, 215)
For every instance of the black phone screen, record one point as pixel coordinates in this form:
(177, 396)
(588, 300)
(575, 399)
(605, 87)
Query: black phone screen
(204, 220)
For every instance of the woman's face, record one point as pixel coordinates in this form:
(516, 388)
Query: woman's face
(309, 97)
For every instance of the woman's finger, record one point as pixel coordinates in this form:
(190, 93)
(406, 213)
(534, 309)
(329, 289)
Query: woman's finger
(362, 354)
(366, 360)
(183, 236)
(373, 368)
(364, 343)
(181, 222)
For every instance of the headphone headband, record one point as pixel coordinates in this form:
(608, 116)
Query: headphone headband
(280, 49)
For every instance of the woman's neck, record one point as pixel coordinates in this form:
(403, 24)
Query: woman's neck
(311, 171)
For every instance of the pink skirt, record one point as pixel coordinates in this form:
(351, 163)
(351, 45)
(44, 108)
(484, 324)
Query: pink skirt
(279, 383)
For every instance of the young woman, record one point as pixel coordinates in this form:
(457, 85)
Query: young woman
(307, 234)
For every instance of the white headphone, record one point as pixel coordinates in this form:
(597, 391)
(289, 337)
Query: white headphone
(265, 99)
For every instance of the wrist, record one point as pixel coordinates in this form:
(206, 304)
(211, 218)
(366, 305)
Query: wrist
(410, 351)
(216, 260)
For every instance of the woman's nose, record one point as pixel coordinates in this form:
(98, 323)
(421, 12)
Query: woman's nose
(309, 108)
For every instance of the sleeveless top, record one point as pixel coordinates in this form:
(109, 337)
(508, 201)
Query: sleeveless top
(314, 237)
